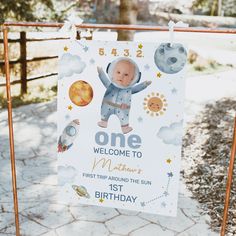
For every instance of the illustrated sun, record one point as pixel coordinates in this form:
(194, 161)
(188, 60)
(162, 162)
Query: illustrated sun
(155, 104)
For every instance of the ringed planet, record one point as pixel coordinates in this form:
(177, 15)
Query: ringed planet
(81, 191)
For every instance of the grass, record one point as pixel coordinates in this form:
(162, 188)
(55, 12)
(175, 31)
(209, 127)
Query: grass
(43, 95)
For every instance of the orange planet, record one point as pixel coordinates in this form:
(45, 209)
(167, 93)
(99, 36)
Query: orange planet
(81, 93)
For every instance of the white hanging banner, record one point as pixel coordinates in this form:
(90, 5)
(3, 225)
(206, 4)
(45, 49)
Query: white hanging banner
(120, 118)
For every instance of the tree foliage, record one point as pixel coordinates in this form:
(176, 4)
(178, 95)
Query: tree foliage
(35, 10)
(21, 9)
(209, 7)
(128, 15)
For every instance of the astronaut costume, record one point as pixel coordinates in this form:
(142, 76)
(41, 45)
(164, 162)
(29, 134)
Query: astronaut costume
(116, 95)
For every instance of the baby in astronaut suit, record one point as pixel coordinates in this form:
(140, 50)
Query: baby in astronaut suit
(123, 74)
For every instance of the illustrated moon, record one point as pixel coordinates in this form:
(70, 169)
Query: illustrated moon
(81, 93)
(170, 59)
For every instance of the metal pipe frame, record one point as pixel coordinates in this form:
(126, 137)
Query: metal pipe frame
(5, 27)
(11, 133)
(229, 182)
(124, 27)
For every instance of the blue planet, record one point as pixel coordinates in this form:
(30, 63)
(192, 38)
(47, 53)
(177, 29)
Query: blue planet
(169, 58)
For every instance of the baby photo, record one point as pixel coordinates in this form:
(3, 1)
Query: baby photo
(121, 81)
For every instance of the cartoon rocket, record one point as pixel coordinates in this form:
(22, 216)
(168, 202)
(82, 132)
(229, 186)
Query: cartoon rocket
(68, 136)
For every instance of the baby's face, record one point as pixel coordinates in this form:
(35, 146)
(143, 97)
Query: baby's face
(123, 73)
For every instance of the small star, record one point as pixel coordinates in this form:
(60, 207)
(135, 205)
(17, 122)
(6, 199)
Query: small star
(66, 48)
(165, 193)
(170, 174)
(159, 74)
(101, 200)
(142, 204)
(140, 46)
(92, 61)
(140, 119)
(169, 161)
(85, 48)
(174, 91)
(163, 204)
(146, 67)
(67, 117)
(70, 107)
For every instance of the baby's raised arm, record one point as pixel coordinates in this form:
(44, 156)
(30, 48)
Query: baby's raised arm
(140, 87)
(102, 76)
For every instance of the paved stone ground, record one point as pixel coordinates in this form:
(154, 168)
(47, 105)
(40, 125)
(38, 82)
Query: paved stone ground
(40, 214)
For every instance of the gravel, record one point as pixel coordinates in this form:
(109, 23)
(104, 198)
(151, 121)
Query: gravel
(206, 151)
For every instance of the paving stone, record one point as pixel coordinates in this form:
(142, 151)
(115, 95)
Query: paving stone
(27, 228)
(93, 213)
(9, 206)
(195, 215)
(51, 118)
(125, 224)
(7, 234)
(30, 228)
(23, 133)
(40, 161)
(150, 217)
(178, 224)
(6, 218)
(8, 230)
(198, 230)
(3, 151)
(127, 212)
(183, 191)
(38, 193)
(6, 206)
(48, 149)
(6, 182)
(5, 196)
(7, 222)
(4, 133)
(20, 153)
(115, 235)
(40, 174)
(5, 166)
(187, 203)
(49, 215)
(50, 233)
(152, 230)
(83, 228)
(47, 131)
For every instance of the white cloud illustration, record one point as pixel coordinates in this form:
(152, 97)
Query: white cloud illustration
(70, 64)
(66, 174)
(171, 134)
